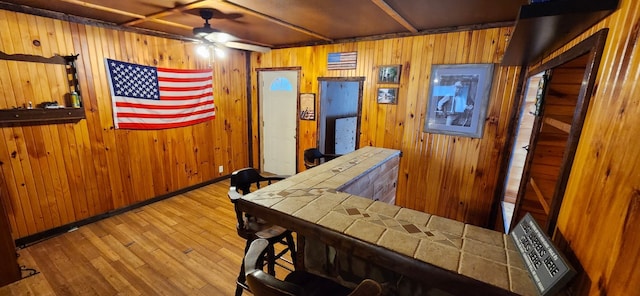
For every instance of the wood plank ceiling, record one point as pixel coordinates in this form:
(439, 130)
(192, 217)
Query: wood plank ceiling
(285, 23)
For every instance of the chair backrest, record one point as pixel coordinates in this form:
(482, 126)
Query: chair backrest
(242, 179)
(264, 284)
(241, 182)
(312, 157)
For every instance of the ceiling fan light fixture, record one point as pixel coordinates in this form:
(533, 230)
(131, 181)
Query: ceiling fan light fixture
(203, 32)
(218, 37)
(221, 53)
(203, 51)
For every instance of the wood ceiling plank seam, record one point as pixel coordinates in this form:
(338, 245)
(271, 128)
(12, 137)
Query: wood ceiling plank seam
(159, 21)
(395, 15)
(167, 12)
(122, 12)
(103, 8)
(87, 21)
(276, 21)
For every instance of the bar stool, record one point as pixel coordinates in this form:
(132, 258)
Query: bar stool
(297, 283)
(252, 228)
(313, 157)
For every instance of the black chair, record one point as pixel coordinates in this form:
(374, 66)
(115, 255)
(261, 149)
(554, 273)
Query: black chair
(313, 157)
(297, 282)
(252, 228)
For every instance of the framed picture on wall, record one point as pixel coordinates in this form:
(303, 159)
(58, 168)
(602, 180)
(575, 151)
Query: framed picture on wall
(458, 97)
(307, 106)
(387, 95)
(389, 74)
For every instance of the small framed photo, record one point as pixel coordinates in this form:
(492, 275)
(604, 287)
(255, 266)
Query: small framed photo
(389, 74)
(458, 98)
(387, 95)
(307, 106)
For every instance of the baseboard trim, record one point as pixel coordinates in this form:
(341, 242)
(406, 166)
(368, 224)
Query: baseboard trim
(26, 241)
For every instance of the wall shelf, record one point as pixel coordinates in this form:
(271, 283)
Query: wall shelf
(544, 27)
(22, 116)
(40, 115)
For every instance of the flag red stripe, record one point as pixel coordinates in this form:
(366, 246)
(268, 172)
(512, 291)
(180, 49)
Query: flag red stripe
(162, 125)
(188, 88)
(186, 79)
(181, 98)
(143, 115)
(172, 107)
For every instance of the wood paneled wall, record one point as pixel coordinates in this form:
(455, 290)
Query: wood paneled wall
(599, 222)
(446, 175)
(55, 174)
(58, 173)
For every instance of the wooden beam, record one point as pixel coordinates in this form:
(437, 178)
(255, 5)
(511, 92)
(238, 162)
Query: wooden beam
(395, 15)
(139, 17)
(87, 21)
(563, 126)
(541, 198)
(277, 21)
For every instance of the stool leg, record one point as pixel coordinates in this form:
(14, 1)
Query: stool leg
(242, 280)
(292, 248)
(271, 260)
(239, 290)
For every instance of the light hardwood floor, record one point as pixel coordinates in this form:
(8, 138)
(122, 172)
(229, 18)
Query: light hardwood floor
(183, 245)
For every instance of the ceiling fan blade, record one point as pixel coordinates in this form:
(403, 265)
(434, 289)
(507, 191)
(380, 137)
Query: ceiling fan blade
(246, 46)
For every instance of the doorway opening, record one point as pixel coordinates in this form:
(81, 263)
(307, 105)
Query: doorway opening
(520, 147)
(339, 114)
(552, 110)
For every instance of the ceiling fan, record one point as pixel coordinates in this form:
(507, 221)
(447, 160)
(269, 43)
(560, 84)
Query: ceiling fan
(216, 37)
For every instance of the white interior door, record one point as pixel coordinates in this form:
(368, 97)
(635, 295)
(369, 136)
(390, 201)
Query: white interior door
(278, 92)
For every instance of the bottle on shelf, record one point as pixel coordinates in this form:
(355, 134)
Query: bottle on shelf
(75, 99)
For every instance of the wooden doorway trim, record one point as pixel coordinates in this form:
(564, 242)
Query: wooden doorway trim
(593, 46)
(360, 80)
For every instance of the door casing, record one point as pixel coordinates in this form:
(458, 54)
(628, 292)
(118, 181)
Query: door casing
(592, 46)
(323, 109)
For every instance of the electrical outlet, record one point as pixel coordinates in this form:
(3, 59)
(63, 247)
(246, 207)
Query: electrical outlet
(220, 169)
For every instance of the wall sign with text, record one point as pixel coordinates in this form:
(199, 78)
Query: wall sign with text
(549, 270)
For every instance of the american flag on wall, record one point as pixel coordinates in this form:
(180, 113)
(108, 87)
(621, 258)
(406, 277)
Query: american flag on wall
(147, 97)
(342, 60)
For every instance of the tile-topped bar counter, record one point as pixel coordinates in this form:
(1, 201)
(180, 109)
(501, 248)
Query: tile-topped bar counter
(443, 254)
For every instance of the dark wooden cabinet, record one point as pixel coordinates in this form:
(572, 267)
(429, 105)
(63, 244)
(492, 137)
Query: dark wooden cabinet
(9, 268)
(543, 27)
